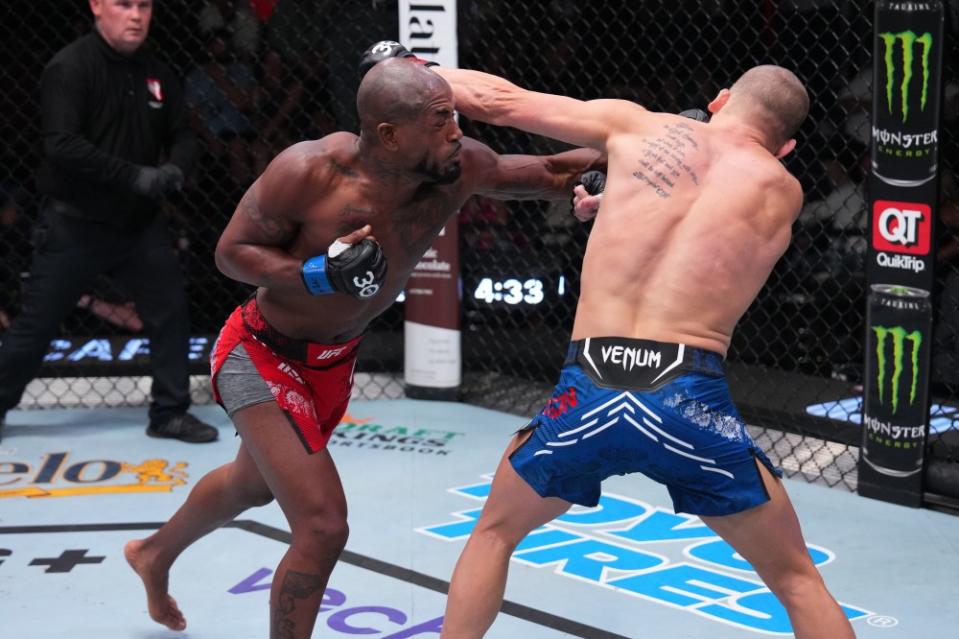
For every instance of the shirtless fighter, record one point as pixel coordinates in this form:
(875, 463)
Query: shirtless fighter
(694, 217)
(283, 364)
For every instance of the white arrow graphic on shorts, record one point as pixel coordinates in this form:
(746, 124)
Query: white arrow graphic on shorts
(625, 405)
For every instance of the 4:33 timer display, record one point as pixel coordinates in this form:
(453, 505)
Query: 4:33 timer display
(514, 291)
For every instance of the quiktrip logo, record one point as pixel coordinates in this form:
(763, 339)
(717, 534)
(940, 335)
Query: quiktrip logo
(902, 227)
(896, 338)
(901, 234)
(624, 545)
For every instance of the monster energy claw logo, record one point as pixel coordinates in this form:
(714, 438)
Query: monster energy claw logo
(899, 338)
(907, 39)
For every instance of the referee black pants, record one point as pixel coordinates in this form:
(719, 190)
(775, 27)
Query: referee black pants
(69, 254)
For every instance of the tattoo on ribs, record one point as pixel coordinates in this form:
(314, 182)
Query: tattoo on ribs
(296, 585)
(663, 159)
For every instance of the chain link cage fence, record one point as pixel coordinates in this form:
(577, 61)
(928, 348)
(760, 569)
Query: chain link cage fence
(943, 449)
(796, 362)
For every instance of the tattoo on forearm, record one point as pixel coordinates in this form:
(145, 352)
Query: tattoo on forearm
(663, 159)
(296, 586)
(272, 228)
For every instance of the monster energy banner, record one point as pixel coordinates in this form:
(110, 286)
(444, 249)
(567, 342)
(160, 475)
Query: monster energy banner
(905, 142)
(896, 393)
(907, 68)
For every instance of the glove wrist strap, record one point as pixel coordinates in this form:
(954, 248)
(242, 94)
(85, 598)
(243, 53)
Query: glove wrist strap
(314, 276)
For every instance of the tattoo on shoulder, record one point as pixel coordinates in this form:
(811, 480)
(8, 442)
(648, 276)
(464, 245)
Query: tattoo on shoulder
(663, 159)
(342, 168)
(272, 228)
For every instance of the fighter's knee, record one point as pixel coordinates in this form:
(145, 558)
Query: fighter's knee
(796, 586)
(320, 534)
(498, 535)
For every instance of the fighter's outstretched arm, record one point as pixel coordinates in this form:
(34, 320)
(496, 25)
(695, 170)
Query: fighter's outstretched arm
(492, 99)
(531, 177)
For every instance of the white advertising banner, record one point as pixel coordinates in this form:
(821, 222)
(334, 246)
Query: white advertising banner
(428, 29)
(433, 360)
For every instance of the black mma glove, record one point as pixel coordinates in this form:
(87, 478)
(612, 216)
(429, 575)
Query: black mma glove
(171, 177)
(593, 181)
(358, 270)
(156, 182)
(388, 49)
(695, 114)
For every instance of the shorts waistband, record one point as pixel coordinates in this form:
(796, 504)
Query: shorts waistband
(640, 364)
(310, 354)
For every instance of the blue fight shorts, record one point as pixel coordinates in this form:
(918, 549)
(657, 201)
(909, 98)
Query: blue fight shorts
(626, 406)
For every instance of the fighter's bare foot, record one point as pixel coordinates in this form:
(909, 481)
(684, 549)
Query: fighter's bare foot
(161, 605)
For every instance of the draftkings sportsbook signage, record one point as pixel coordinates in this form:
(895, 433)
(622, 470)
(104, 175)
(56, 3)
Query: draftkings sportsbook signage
(907, 72)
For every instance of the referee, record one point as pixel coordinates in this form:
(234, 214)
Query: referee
(115, 141)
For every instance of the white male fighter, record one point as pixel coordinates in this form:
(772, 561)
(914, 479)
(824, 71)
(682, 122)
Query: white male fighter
(694, 217)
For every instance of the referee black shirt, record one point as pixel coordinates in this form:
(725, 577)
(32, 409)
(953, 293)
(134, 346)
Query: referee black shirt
(104, 116)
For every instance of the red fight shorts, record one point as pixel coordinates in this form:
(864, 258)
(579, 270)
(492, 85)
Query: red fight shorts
(310, 382)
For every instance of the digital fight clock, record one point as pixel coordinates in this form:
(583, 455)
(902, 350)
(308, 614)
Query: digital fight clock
(517, 291)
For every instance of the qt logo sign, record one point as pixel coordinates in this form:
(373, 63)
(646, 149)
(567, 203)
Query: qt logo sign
(901, 227)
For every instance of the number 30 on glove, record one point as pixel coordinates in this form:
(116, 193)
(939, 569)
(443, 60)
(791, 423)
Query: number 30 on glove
(357, 270)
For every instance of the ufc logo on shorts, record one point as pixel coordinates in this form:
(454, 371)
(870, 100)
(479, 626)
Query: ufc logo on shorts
(286, 368)
(333, 352)
(901, 227)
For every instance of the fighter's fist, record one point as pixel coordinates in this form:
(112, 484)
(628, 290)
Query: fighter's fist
(588, 194)
(354, 266)
(386, 49)
(695, 114)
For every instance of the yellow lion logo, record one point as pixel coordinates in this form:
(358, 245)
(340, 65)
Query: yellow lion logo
(155, 470)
